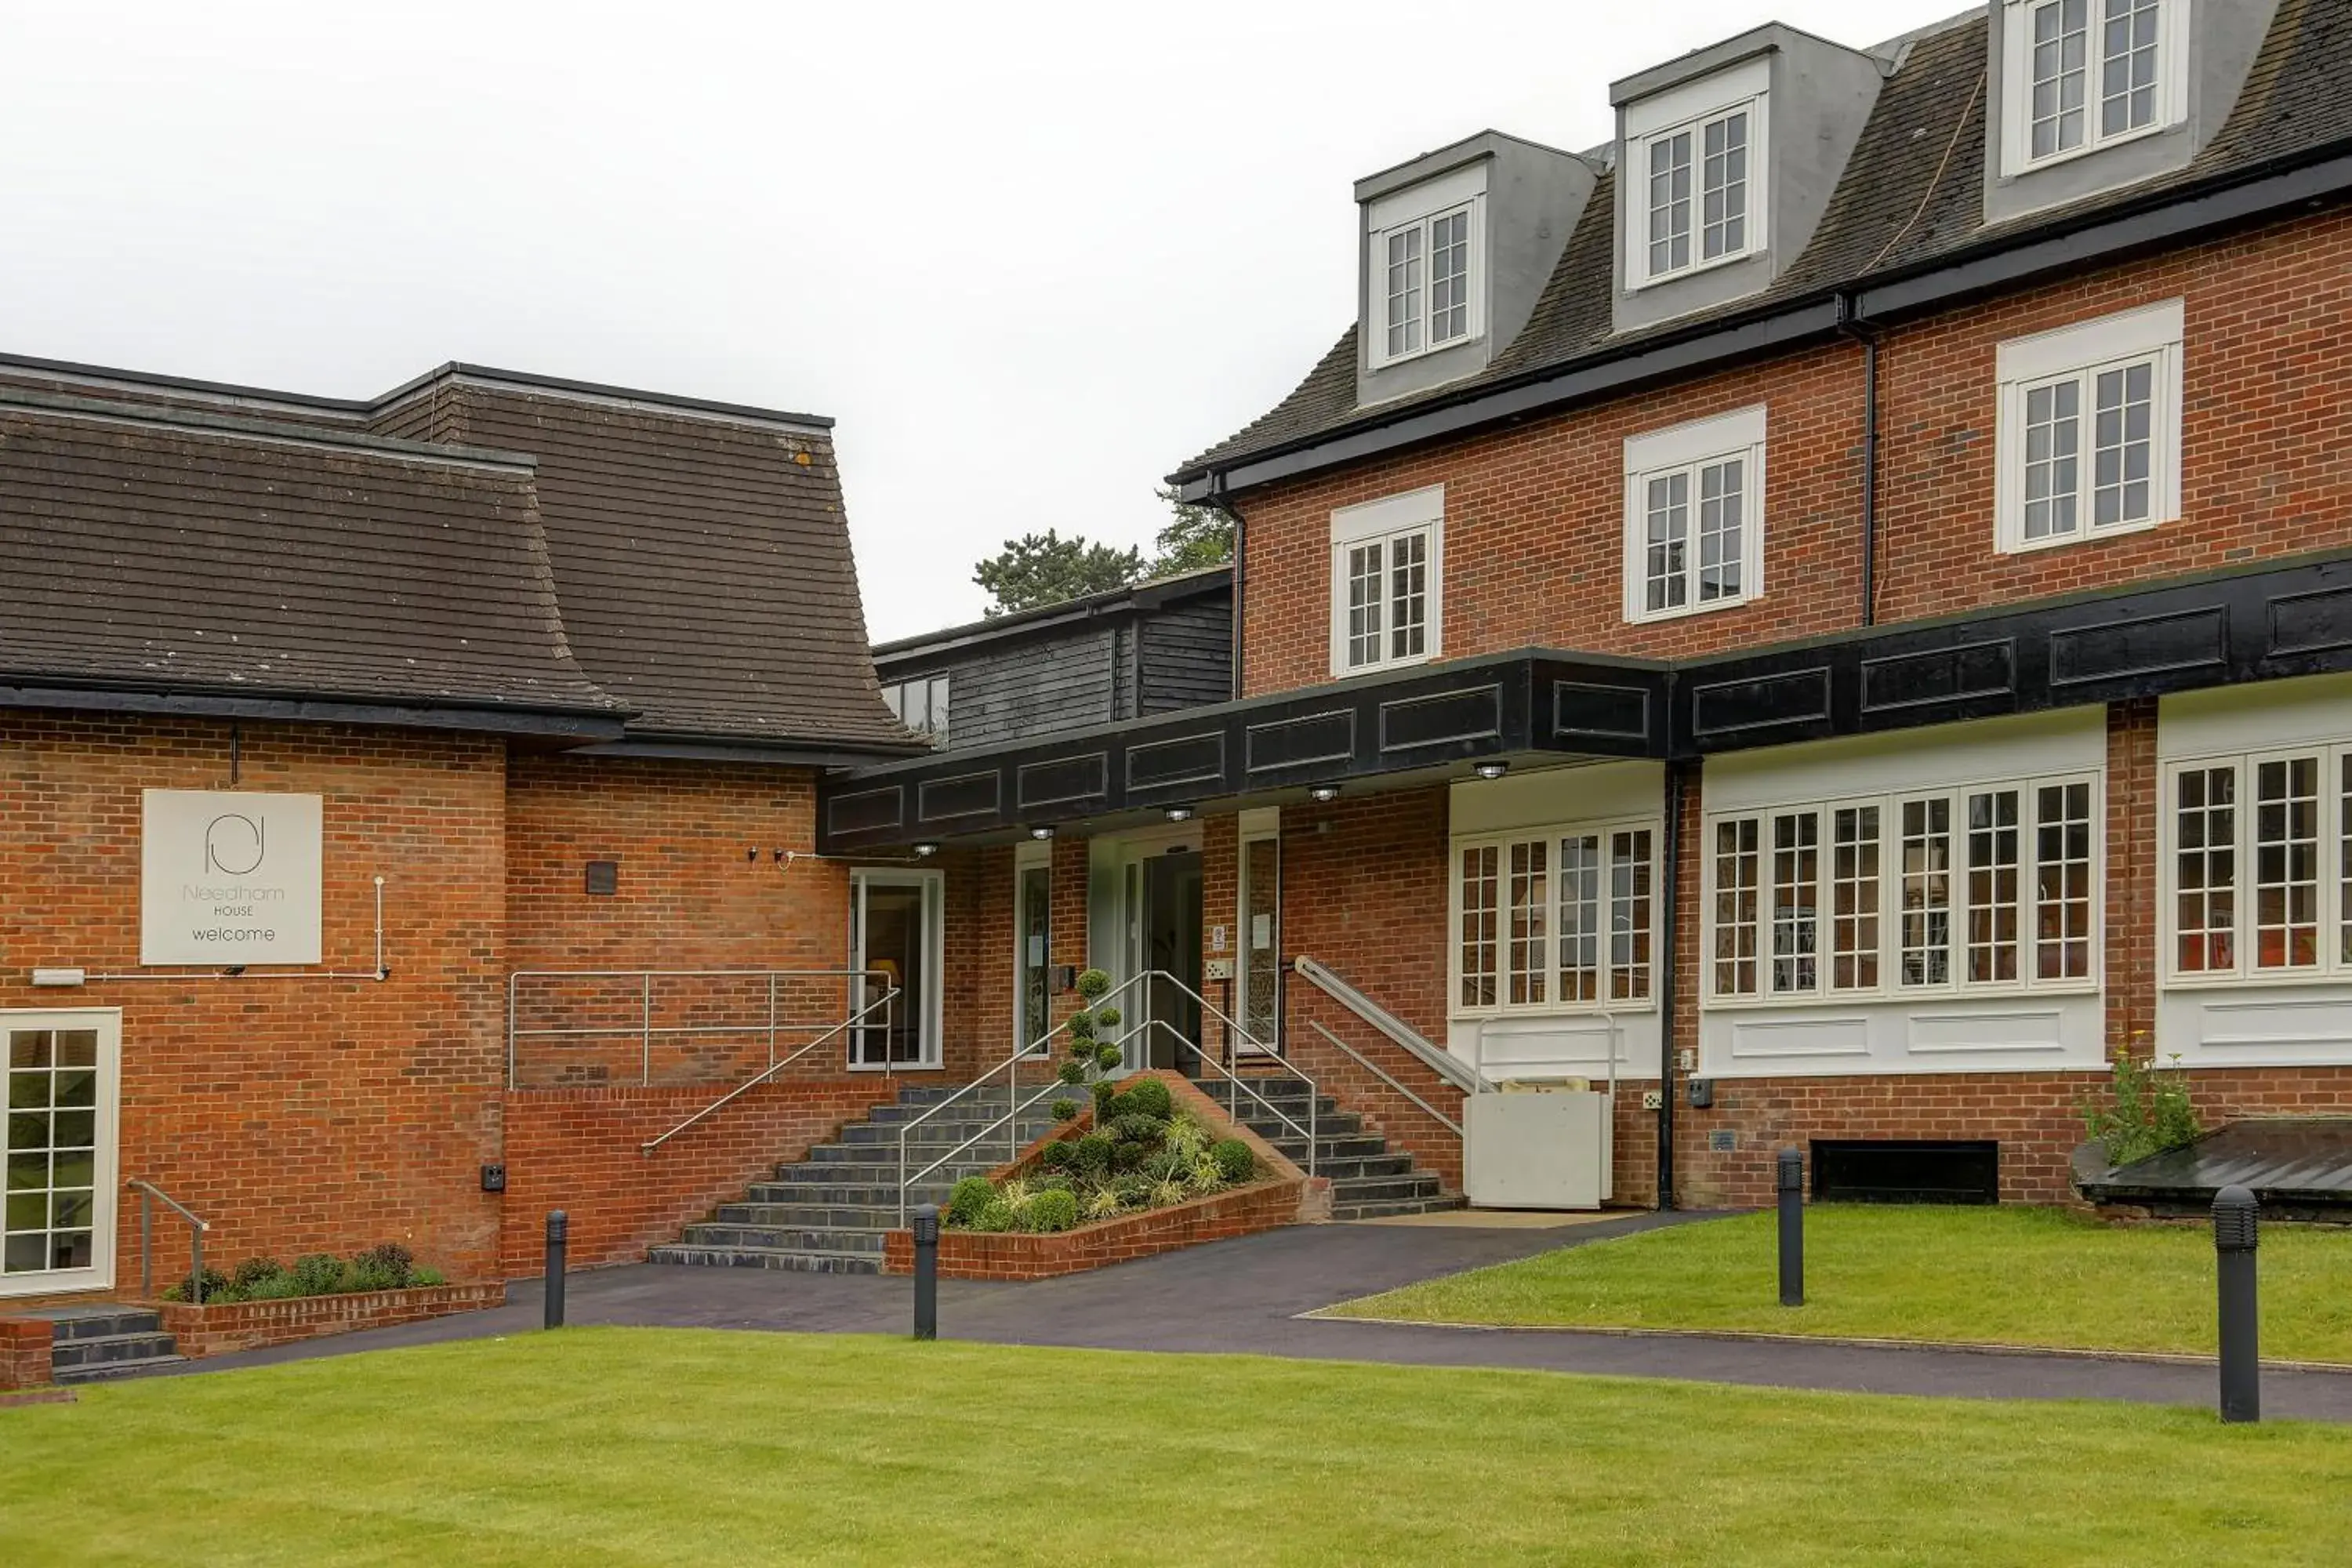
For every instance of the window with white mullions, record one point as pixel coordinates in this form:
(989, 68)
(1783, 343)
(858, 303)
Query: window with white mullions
(1796, 903)
(1723, 189)
(2205, 869)
(1365, 603)
(1424, 283)
(1530, 951)
(1670, 191)
(2090, 428)
(1404, 309)
(1387, 581)
(1667, 568)
(1697, 196)
(1992, 886)
(2286, 863)
(2344, 861)
(2061, 886)
(2128, 65)
(2053, 430)
(1574, 911)
(2062, 52)
(1408, 595)
(1449, 277)
(1694, 515)
(1927, 933)
(1735, 908)
(1853, 897)
(2082, 73)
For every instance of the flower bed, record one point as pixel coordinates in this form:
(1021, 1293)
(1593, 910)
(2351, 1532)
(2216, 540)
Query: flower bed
(215, 1329)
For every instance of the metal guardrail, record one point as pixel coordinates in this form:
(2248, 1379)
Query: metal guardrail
(1387, 1078)
(645, 1031)
(149, 1195)
(1469, 1079)
(854, 1021)
(1040, 1050)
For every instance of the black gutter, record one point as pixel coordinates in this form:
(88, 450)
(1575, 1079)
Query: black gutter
(1866, 334)
(2110, 233)
(556, 724)
(1669, 983)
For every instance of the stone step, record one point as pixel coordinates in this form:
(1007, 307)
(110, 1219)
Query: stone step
(1394, 1206)
(1383, 1189)
(810, 1216)
(867, 1173)
(1346, 1167)
(784, 1238)
(844, 1194)
(100, 1372)
(769, 1257)
(1357, 1146)
(942, 1131)
(991, 1149)
(109, 1350)
(97, 1322)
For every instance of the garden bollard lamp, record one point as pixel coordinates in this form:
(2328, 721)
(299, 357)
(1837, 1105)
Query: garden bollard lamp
(926, 1223)
(2236, 1218)
(559, 1232)
(1790, 1182)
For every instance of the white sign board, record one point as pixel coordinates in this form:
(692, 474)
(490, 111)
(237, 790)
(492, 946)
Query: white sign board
(230, 877)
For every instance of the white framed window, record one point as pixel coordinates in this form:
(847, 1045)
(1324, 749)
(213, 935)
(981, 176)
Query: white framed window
(921, 705)
(1989, 887)
(1556, 920)
(1695, 162)
(2088, 439)
(2257, 873)
(897, 950)
(2079, 74)
(1695, 516)
(1387, 581)
(1424, 266)
(60, 1146)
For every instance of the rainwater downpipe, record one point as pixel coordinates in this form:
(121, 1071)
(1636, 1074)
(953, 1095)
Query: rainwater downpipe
(1866, 334)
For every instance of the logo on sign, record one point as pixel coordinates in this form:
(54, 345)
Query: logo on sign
(233, 843)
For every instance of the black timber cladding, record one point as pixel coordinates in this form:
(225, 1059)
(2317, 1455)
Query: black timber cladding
(2256, 625)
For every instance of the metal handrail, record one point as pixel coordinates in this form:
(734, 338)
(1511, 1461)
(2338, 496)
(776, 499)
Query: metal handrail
(645, 1029)
(1385, 1076)
(149, 1196)
(1437, 1058)
(770, 1070)
(1015, 1105)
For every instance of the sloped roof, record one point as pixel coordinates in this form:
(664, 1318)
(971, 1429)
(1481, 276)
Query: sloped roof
(1911, 194)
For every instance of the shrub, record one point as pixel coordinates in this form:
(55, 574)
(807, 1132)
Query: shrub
(1050, 1211)
(256, 1271)
(1066, 1109)
(1057, 1155)
(1133, 1192)
(215, 1285)
(1234, 1159)
(968, 1198)
(2150, 1113)
(1107, 1056)
(319, 1273)
(1137, 1128)
(1187, 1136)
(1056, 1184)
(429, 1277)
(1128, 1156)
(1103, 1205)
(278, 1287)
(1165, 1191)
(389, 1262)
(1150, 1096)
(1166, 1165)
(371, 1274)
(1082, 1032)
(996, 1217)
(1093, 1157)
(1093, 983)
(1108, 1018)
(1071, 1073)
(1104, 1092)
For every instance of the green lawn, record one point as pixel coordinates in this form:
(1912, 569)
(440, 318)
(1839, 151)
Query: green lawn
(615, 1445)
(1995, 1276)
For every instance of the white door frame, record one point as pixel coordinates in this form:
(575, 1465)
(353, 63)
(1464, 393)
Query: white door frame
(931, 1018)
(1027, 857)
(106, 1163)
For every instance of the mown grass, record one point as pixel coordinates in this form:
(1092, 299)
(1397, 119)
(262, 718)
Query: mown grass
(628, 1446)
(1996, 1275)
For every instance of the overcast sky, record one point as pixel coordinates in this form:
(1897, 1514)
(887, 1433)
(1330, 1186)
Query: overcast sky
(1031, 256)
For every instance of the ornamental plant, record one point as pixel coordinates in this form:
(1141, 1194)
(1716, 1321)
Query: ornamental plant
(2148, 1110)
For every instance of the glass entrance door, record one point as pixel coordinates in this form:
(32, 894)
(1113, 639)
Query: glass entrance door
(896, 942)
(1172, 935)
(58, 1154)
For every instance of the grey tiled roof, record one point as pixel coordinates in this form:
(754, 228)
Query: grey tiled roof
(1911, 192)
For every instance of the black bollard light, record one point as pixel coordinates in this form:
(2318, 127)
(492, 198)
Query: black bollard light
(2236, 1218)
(559, 1233)
(1792, 1184)
(925, 1220)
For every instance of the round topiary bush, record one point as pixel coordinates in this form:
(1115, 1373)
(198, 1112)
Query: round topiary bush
(1108, 1018)
(1071, 1073)
(1049, 1211)
(1057, 1156)
(1093, 982)
(966, 1201)
(1107, 1056)
(1094, 1154)
(1066, 1109)
(1235, 1160)
(1150, 1096)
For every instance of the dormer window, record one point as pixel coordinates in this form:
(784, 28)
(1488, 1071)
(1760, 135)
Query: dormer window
(1423, 267)
(1701, 165)
(2085, 73)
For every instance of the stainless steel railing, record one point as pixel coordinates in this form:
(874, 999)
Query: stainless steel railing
(854, 1021)
(149, 1195)
(1386, 1077)
(1462, 1076)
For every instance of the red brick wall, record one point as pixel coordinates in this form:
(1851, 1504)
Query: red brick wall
(25, 1346)
(248, 1325)
(1535, 514)
(580, 1151)
(296, 1115)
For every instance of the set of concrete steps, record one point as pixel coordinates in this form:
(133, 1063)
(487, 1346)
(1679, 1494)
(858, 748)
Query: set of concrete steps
(1368, 1180)
(827, 1214)
(88, 1344)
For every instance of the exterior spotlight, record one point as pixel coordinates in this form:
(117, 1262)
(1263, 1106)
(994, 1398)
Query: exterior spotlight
(1324, 794)
(925, 851)
(1492, 770)
(1044, 832)
(1180, 813)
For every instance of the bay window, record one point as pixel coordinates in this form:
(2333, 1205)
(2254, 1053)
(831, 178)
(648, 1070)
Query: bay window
(1555, 918)
(2257, 864)
(1991, 885)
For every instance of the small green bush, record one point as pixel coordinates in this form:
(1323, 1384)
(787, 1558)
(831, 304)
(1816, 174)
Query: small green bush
(1093, 983)
(278, 1287)
(1057, 1155)
(426, 1276)
(1066, 1109)
(1102, 1204)
(1137, 1128)
(1234, 1162)
(1050, 1211)
(1108, 1018)
(1071, 1073)
(215, 1283)
(1167, 1165)
(1107, 1056)
(319, 1273)
(967, 1199)
(2149, 1113)
(1082, 1031)
(1134, 1192)
(1093, 1157)
(256, 1271)
(389, 1262)
(1128, 1156)
(996, 1217)
(1056, 1182)
(1150, 1096)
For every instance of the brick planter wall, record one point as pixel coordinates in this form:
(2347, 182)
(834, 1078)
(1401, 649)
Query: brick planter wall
(23, 1352)
(1287, 1196)
(249, 1325)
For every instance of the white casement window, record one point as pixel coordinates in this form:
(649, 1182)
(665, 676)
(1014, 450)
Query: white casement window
(1387, 582)
(1695, 162)
(1695, 516)
(1556, 918)
(2257, 864)
(1988, 887)
(1423, 267)
(2089, 429)
(2083, 74)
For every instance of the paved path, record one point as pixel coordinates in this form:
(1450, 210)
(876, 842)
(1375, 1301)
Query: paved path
(1246, 1296)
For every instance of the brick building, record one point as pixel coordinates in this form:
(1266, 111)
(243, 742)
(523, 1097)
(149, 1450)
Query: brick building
(1834, 608)
(337, 737)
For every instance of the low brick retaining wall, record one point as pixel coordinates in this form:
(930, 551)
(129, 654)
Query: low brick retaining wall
(23, 1352)
(1286, 1196)
(249, 1325)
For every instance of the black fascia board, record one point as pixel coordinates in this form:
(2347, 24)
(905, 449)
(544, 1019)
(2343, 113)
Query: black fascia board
(560, 725)
(811, 753)
(2111, 232)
